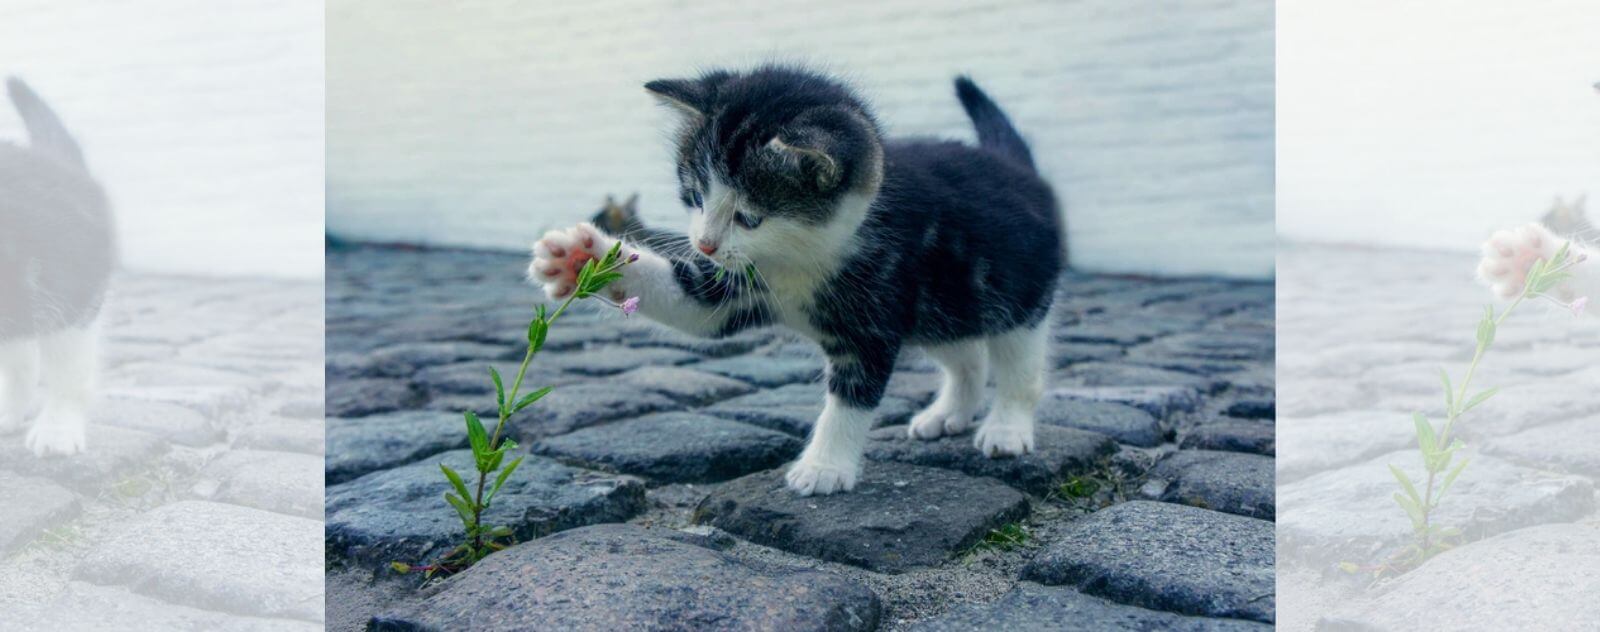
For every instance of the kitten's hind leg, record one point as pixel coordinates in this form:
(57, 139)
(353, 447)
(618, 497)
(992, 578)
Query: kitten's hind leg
(70, 366)
(965, 367)
(1017, 358)
(19, 377)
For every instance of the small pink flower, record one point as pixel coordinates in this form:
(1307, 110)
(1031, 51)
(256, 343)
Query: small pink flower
(631, 305)
(1578, 305)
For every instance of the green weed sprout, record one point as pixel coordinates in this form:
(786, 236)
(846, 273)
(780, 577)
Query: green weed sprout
(489, 450)
(1420, 499)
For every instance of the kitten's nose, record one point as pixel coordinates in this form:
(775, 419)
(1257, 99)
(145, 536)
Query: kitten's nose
(705, 247)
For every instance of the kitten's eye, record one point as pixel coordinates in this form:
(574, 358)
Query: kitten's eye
(748, 221)
(692, 199)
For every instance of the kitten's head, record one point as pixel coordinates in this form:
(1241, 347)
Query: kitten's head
(772, 163)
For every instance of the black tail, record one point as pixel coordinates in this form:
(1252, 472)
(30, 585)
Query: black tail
(45, 131)
(995, 132)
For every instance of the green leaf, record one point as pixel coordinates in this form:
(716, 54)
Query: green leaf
(531, 398)
(1561, 253)
(1425, 436)
(455, 481)
(499, 389)
(584, 285)
(462, 508)
(400, 567)
(1451, 478)
(1411, 508)
(721, 272)
(1486, 329)
(538, 329)
(1550, 280)
(1449, 393)
(610, 260)
(476, 435)
(1405, 483)
(501, 479)
(1479, 399)
(1441, 460)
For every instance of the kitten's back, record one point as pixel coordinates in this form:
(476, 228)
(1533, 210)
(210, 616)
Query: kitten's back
(57, 248)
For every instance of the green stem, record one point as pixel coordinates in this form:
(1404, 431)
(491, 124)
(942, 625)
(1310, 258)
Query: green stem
(505, 414)
(1454, 413)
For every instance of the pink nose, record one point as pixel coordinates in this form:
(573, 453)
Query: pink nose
(704, 247)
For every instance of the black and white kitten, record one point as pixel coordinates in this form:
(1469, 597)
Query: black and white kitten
(56, 255)
(802, 214)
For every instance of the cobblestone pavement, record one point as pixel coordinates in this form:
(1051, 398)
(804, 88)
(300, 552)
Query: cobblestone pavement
(653, 491)
(1363, 334)
(198, 504)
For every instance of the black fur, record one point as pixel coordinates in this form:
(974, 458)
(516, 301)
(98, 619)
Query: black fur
(56, 240)
(959, 241)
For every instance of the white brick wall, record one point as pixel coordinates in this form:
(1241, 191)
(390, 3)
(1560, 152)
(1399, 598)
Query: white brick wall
(203, 118)
(1404, 122)
(483, 122)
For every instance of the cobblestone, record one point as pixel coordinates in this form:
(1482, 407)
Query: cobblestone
(1362, 335)
(1137, 364)
(201, 375)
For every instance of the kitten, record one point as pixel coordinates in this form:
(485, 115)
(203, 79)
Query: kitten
(56, 255)
(1509, 254)
(801, 214)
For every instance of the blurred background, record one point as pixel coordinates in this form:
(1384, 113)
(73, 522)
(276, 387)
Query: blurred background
(202, 119)
(483, 123)
(1406, 124)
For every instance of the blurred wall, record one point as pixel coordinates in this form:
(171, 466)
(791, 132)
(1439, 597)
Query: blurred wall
(203, 119)
(1409, 122)
(484, 122)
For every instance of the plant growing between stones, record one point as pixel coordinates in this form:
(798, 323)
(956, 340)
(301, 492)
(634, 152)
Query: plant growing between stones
(1008, 537)
(1439, 445)
(489, 450)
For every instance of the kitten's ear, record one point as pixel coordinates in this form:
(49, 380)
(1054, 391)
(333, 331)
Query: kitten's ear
(802, 162)
(632, 205)
(685, 95)
(610, 201)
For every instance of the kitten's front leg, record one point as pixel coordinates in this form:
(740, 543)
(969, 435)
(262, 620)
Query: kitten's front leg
(831, 461)
(682, 295)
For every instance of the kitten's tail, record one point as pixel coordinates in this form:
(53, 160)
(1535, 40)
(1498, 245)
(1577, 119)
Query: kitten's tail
(45, 132)
(995, 132)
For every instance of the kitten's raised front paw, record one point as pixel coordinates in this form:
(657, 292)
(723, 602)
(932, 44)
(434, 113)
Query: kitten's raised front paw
(809, 476)
(997, 439)
(1509, 254)
(51, 435)
(939, 419)
(560, 254)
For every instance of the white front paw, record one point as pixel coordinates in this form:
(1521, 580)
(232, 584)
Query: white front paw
(53, 434)
(560, 254)
(812, 476)
(939, 419)
(1510, 254)
(1004, 438)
